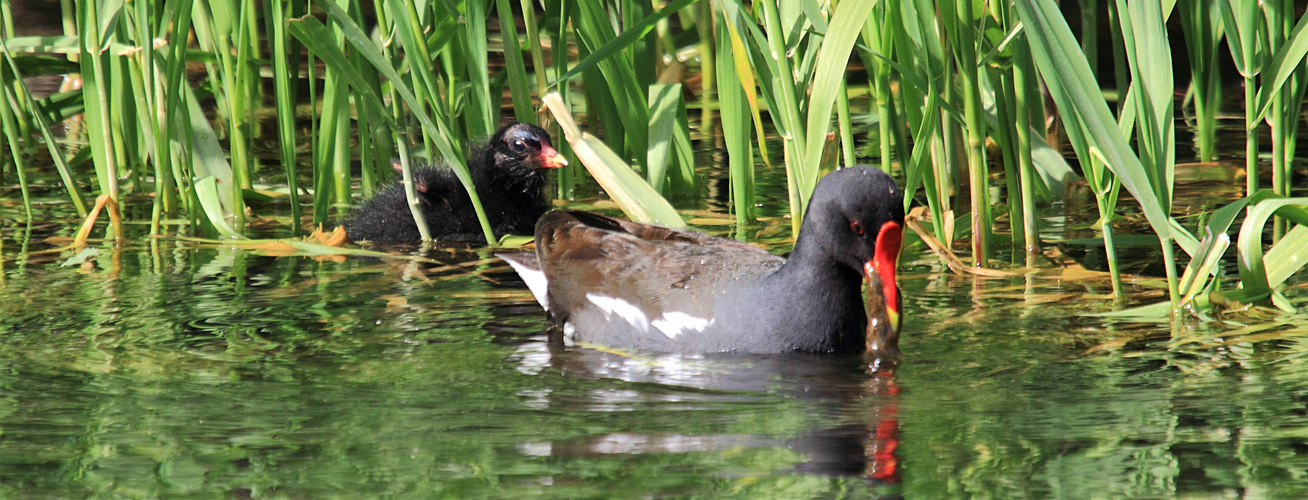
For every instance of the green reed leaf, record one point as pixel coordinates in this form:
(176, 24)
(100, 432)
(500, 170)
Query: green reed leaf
(1253, 273)
(735, 108)
(846, 25)
(1286, 62)
(638, 200)
(207, 158)
(60, 44)
(663, 100)
(1147, 49)
(1242, 20)
(1209, 250)
(41, 118)
(206, 189)
(1059, 58)
(519, 91)
(623, 40)
(1287, 256)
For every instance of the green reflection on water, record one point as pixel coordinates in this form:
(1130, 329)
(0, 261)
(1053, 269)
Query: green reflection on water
(185, 370)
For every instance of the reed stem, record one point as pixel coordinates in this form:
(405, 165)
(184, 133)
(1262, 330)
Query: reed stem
(793, 134)
(1023, 89)
(1251, 136)
(976, 133)
(1110, 249)
(10, 125)
(285, 95)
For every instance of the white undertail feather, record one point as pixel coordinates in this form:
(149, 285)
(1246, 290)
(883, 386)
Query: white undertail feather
(535, 279)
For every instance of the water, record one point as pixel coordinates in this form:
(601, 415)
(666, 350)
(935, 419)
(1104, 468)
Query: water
(180, 369)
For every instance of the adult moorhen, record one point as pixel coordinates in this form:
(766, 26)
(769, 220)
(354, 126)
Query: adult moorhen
(637, 286)
(508, 173)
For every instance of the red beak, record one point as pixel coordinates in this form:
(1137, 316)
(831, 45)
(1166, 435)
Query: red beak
(551, 157)
(883, 264)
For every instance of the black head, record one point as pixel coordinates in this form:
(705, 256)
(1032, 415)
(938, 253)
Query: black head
(522, 148)
(849, 211)
(856, 218)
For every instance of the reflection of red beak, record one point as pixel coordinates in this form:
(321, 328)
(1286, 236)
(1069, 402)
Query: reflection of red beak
(552, 157)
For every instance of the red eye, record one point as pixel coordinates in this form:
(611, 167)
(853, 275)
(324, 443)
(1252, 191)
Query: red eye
(856, 227)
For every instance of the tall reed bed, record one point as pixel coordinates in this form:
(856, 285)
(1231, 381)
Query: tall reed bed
(954, 87)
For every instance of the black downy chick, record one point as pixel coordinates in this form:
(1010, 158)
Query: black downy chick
(508, 173)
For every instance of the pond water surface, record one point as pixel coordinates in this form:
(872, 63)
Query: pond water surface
(176, 368)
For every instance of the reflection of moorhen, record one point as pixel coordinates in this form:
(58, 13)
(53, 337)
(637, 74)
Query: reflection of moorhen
(508, 173)
(863, 441)
(637, 286)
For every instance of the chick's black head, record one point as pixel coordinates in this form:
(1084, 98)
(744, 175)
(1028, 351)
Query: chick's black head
(521, 150)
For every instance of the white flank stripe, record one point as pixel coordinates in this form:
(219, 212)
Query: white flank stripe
(536, 282)
(673, 323)
(620, 307)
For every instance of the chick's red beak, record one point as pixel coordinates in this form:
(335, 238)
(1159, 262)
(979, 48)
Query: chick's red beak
(551, 158)
(883, 263)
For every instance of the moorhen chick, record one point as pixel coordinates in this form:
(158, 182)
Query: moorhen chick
(636, 286)
(508, 173)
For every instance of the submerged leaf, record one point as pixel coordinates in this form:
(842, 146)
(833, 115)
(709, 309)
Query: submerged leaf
(1152, 312)
(515, 241)
(81, 257)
